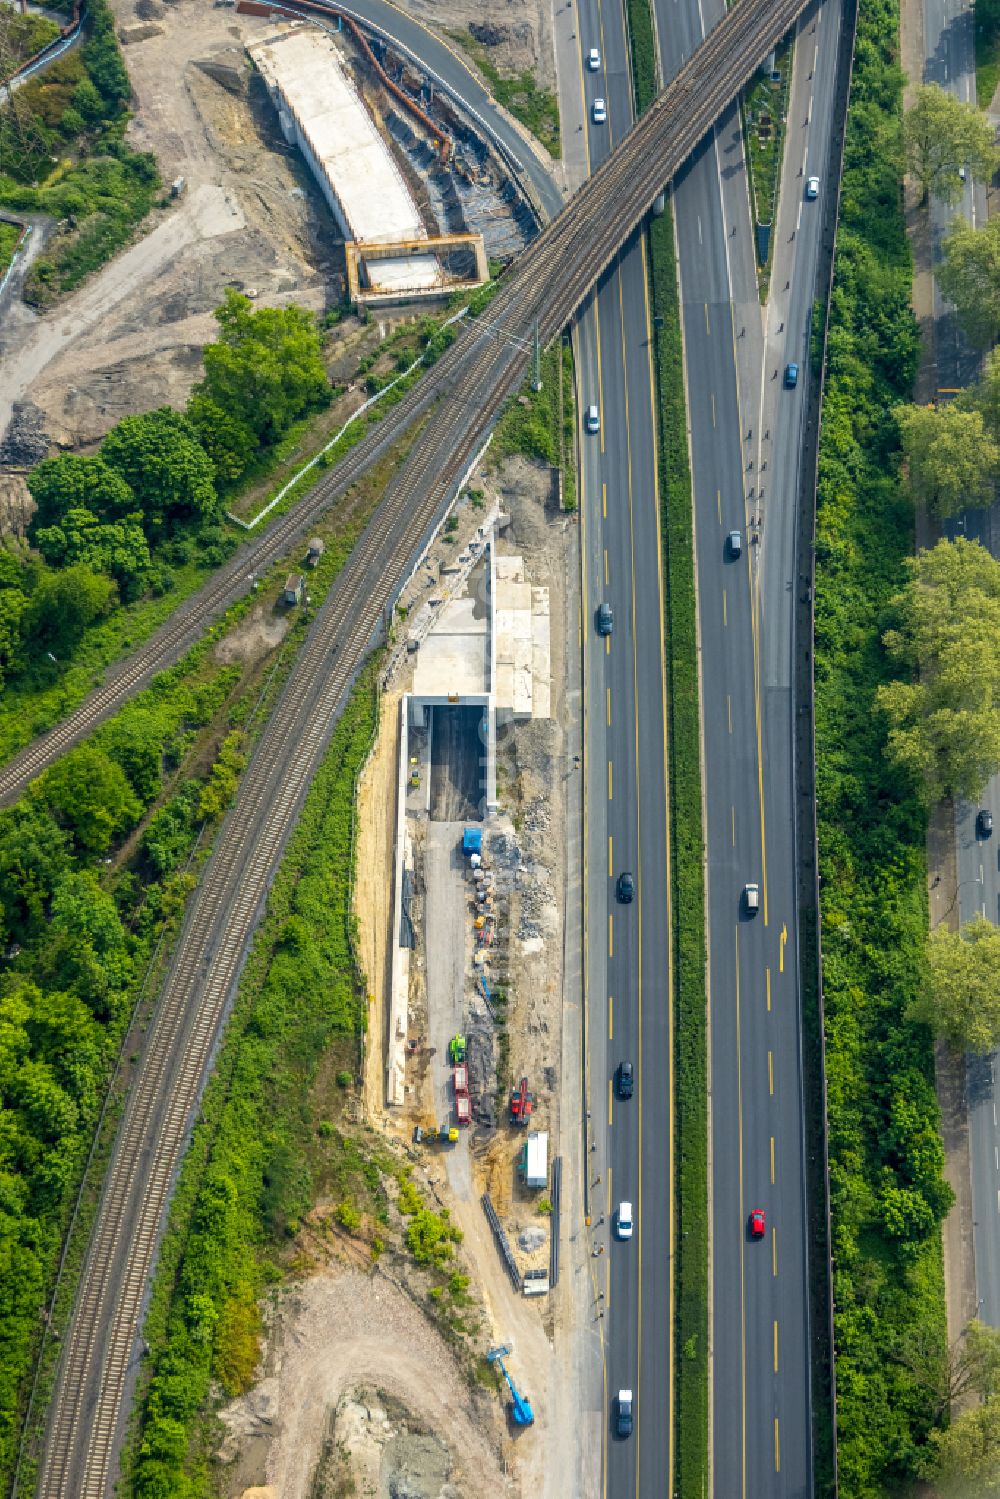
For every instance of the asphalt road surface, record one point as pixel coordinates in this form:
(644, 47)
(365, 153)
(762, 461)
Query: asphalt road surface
(745, 444)
(628, 945)
(949, 60)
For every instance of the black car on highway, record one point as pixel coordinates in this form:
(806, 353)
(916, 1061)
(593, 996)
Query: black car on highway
(626, 1079)
(626, 887)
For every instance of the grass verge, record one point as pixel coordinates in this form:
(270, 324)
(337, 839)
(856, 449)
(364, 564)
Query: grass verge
(763, 106)
(10, 238)
(536, 108)
(987, 21)
(687, 877)
(541, 424)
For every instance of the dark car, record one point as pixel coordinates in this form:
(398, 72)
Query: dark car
(605, 619)
(623, 1406)
(758, 1224)
(791, 376)
(625, 887)
(984, 823)
(734, 543)
(626, 1079)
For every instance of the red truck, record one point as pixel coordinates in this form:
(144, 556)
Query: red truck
(460, 1081)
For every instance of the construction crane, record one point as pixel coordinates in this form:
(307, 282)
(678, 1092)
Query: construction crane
(520, 1408)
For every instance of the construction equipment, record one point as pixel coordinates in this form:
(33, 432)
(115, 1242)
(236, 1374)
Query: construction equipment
(438, 1134)
(463, 1104)
(456, 1050)
(521, 1102)
(520, 1408)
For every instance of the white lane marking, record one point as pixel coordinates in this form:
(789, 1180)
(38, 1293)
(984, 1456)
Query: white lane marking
(700, 240)
(996, 1157)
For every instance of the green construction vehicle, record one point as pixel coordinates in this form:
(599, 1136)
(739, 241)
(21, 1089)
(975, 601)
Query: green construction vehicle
(456, 1050)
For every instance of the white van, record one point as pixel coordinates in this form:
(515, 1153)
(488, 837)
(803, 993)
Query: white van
(751, 899)
(592, 420)
(624, 1223)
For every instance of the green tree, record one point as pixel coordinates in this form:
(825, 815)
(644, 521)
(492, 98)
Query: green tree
(969, 276)
(90, 796)
(968, 1453)
(953, 461)
(229, 442)
(70, 482)
(266, 369)
(62, 605)
(961, 997)
(942, 134)
(220, 788)
(160, 457)
(984, 395)
(944, 719)
(118, 548)
(34, 854)
(13, 603)
(104, 64)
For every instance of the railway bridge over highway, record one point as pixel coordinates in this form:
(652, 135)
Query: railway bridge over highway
(460, 398)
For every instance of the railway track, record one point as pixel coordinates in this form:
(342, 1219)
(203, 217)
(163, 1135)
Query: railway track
(548, 281)
(465, 390)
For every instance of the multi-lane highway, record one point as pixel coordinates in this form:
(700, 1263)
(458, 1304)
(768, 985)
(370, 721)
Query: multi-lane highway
(628, 947)
(746, 432)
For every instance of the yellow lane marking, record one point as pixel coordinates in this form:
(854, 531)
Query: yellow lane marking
(611, 1008)
(772, 1160)
(775, 1345)
(611, 935)
(610, 1091)
(600, 375)
(605, 564)
(610, 782)
(607, 645)
(777, 1448)
(609, 707)
(770, 1073)
(743, 1308)
(610, 860)
(604, 500)
(768, 972)
(718, 504)
(781, 949)
(774, 1251)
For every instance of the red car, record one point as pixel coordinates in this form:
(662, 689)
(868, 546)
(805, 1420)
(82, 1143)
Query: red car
(758, 1224)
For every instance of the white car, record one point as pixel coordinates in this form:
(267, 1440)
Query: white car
(593, 59)
(600, 112)
(812, 187)
(624, 1222)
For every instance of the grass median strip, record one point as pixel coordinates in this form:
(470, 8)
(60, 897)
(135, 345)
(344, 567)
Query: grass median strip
(686, 836)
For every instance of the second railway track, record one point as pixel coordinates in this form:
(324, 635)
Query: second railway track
(468, 385)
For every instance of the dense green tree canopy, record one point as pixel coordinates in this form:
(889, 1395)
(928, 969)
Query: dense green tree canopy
(61, 607)
(118, 548)
(70, 482)
(953, 460)
(984, 394)
(34, 854)
(266, 369)
(944, 722)
(159, 456)
(90, 796)
(942, 134)
(961, 998)
(969, 276)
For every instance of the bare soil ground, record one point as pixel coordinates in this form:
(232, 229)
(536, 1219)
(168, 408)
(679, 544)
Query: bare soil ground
(516, 33)
(356, 1378)
(131, 338)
